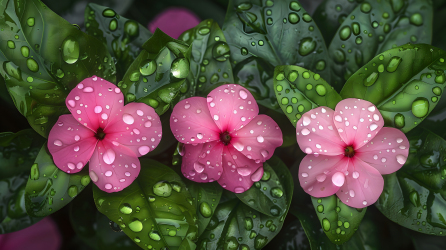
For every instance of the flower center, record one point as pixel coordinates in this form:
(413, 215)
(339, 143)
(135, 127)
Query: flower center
(349, 151)
(225, 137)
(100, 134)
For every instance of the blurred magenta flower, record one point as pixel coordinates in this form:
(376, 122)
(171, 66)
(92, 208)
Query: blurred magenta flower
(226, 140)
(44, 235)
(174, 21)
(100, 129)
(348, 150)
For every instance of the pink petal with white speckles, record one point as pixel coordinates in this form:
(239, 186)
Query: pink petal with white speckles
(95, 102)
(316, 133)
(203, 162)
(139, 128)
(357, 121)
(363, 185)
(192, 123)
(231, 107)
(258, 139)
(239, 172)
(321, 175)
(71, 144)
(387, 152)
(113, 168)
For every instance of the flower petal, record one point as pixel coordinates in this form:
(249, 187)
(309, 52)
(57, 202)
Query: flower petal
(322, 175)
(95, 102)
(71, 144)
(139, 128)
(192, 123)
(258, 139)
(113, 168)
(363, 185)
(203, 162)
(357, 121)
(232, 107)
(387, 152)
(316, 133)
(239, 172)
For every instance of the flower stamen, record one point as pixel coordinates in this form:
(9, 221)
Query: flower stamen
(349, 151)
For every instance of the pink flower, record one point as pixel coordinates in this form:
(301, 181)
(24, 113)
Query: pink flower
(103, 131)
(348, 151)
(226, 140)
(174, 21)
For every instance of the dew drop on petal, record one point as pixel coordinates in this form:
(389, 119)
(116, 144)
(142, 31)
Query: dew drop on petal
(93, 176)
(117, 90)
(260, 139)
(128, 119)
(209, 99)
(148, 124)
(127, 174)
(80, 86)
(108, 173)
(399, 140)
(371, 108)
(136, 131)
(58, 143)
(71, 103)
(364, 203)
(352, 193)
(76, 148)
(109, 156)
(321, 177)
(338, 179)
(143, 150)
(243, 171)
(88, 90)
(243, 94)
(305, 131)
(373, 126)
(264, 153)
(139, 112)
(257, 175)
(355, 175)
(200, 136)
(71, 165)
(238, 146)
(239, 190)
(376, 117)
(401, 159)
(108, 186)
(216, 117)
(79, 165)
(308, 151)
(104, 116)
(187, 106)
(306, 121)
(198, 167)
(98, 109)
(305, 175)
(338, 118)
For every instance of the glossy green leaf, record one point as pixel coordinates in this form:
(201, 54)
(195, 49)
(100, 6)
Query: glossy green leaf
(279, 32)
(205, 198)
(338, 220)
(374, 27)
(155, 210)
(13, 216)
(124, 37)
(299, 90)
(330, 14)
(414, 196)
(291, 237)
(210, 62)
(405, 83)
(158, 73)
(49, 188)
(272, 194)
(43, 57)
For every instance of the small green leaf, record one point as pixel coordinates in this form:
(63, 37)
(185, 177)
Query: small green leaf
(374, 27)
(49, 188)
(158, 73)
(414, 196)
(278, 32)
(405, 83)
(123, 37)
(155, 210)
(210, 62)
(272, 194)
(43, 58)
(299, 90)
(338, 220)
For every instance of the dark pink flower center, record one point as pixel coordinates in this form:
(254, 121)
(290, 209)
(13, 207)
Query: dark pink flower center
(225, 137)
(100, 135)
(349, 151)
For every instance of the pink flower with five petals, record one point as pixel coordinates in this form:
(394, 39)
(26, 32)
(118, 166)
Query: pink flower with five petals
(226, 140)
(104, 132)
(348, 151)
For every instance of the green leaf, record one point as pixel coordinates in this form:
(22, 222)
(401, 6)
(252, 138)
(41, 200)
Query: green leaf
(156, 209)
(374, 27)
(338, 220)
(158, 73)
(43, 58)
(414, 196)
(210, 62)
(205, 198)
(299, 90)
(278, 32)
(292, 237)
(123, 37)
(272, 194)
(49, 188)
(405, 83)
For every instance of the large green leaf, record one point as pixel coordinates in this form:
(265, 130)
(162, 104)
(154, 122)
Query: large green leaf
(374, 27)
(272, 194)
(279, 32)
(158, 73)
(49, 188)
(338, 220)
(299, 90)
(123, 37)
(43, 57)
(415, 195)
(405, 83)
(155, 210)
(210, 62)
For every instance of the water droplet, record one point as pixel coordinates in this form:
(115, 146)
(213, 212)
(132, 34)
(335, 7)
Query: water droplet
(260, 139)
(239, 190)
(32, 65)
(93, 176)
(72, 191)
(416, 19)
(70, 50)
(143, 150)
(205, 210)
(35, 174)
(154, 236)
(420, 107)
(109, 13)
(30, 21)
(220, 51)
(306, 46)
(393, 64)
(136, 226)
(131, 28)
(203, 31)
(321, 90)
(293, 18)
(243, 94)
(345, 33)
(277, 192)
(113, 25)
(326, 224)
(338, 179)
(109, 156)
(162, 188)
(366, 7)
(128, 119)
(180, 68)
